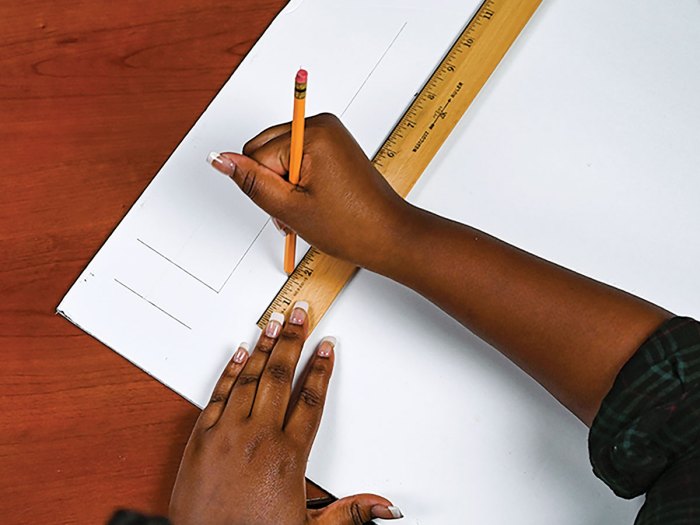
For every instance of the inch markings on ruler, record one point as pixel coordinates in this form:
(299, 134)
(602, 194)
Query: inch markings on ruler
(416, 139)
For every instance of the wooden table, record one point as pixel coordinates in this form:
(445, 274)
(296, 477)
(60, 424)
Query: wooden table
(94, 95)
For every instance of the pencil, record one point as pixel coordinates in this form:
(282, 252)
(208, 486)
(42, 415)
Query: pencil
(295, 154)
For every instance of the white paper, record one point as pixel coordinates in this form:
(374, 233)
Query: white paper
(582, 149)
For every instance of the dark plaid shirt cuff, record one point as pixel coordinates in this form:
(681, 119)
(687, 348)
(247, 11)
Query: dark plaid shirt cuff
(646, 436)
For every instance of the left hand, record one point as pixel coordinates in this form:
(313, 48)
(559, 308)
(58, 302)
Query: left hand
(245, 462)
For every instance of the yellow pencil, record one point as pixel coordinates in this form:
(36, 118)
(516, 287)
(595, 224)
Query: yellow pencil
(296, 152)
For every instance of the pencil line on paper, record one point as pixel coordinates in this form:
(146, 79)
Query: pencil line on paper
(178, 266)
(151, 303)
(375, 67)
(246, 253)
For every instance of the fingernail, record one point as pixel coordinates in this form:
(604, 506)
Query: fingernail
(279, 227)
(301, 309)
(386, 513)
(221, 163)
(274, 325)
(241, 354)
(326, 346)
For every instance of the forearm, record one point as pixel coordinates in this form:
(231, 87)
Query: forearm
(569, 332)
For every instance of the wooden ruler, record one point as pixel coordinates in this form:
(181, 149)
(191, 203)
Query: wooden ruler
(417, 138)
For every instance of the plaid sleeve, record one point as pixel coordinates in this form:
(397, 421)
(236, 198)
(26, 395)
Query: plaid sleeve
(646, 436)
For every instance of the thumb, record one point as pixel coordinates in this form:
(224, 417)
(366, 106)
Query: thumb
(262, 185)
(357, 510)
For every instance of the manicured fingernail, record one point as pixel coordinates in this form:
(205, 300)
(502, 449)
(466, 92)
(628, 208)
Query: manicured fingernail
(279, 227)
(301, 309)
(326, 346)
(274, 325)
(242, 353)
(386, 513)
(221, 163)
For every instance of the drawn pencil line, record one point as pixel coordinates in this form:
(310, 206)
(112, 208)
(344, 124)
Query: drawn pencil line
(151, 303)
(375, 67)
(246, 253)
(178, 266)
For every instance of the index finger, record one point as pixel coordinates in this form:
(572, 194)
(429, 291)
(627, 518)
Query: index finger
(266, 136)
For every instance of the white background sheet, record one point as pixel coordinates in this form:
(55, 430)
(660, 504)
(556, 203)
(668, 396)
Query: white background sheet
(582, 149)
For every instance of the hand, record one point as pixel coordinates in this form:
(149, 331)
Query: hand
(342, 204)
(246, 458)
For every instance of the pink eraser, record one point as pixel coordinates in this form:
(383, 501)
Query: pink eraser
(302, 76)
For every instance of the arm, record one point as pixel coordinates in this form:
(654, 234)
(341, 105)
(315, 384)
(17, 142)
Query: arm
(570, 333)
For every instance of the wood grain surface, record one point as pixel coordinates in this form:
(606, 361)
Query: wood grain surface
(94, 95)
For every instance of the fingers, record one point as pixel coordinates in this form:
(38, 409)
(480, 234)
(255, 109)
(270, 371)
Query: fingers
(305, 415)
(275, 154)
(244, 390)
(356, 510)
(262, 185)
(265, 137)
(275, 388)
(212, 412)
(261, 387)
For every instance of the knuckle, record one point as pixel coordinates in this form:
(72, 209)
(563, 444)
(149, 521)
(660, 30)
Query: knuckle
(218, 397)
(320, 367)
(252, 447)
(249, 184)
(280, 372)
(356, 514)
(247, 379)
(310, 397)
(265, 345)
(285, 466)
(326, 118)
(324, 138)
(323, 130)
(292, 333)
(247, 148)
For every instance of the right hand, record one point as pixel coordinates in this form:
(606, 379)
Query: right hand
(342, 204)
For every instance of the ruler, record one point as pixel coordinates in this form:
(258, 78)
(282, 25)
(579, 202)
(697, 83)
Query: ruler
(416, 139)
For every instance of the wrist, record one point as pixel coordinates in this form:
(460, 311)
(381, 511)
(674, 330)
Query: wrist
(395, 242)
